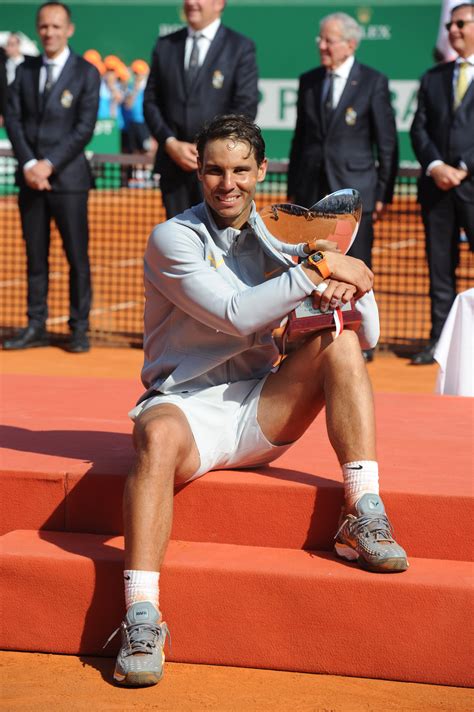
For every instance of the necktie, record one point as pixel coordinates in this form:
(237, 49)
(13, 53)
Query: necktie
(328, 101)
(193, 67)
(48, 85)
(461, 84)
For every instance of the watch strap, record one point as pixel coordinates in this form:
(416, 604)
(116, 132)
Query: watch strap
(317, 260)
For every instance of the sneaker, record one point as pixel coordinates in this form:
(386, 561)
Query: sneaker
(141, 658)
(366, 537)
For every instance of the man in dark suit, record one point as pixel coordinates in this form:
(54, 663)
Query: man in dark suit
(442, 135)
(50, 118)
(345, 134)
(197, 73)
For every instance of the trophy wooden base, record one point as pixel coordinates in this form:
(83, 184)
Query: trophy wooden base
(306, 321)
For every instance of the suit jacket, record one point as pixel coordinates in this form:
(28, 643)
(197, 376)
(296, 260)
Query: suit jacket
(440, 133)
(61, 128)
(3, 82)
(227, 82)
(362, 130)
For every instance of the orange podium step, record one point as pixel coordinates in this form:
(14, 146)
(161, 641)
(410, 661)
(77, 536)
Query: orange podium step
(250, 578)
(249, 606)
(65, 460)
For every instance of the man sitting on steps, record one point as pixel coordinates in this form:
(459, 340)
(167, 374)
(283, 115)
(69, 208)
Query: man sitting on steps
(214, 397)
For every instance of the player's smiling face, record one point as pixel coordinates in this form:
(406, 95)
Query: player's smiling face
(229, 174)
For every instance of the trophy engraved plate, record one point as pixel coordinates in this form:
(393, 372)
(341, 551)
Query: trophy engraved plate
(296, 231)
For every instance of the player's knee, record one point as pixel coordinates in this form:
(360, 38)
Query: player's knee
(345, 351)
(155, 435)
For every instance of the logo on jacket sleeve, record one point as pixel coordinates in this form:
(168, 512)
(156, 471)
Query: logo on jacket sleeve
(66, 99)
(217, 79)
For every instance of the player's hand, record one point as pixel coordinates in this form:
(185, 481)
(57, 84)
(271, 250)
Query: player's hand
(331, 294)
(184, 154)
(322, 245)
(352, 271)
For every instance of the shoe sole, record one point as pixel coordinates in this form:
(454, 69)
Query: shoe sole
(387, 566)
(137, 679)
(33, 345)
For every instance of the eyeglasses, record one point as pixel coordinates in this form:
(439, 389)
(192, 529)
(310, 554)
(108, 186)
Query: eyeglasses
(459, 24)
(320, 40)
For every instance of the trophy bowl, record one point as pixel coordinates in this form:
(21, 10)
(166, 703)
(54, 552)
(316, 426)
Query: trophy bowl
(336, 218)
(298, 231)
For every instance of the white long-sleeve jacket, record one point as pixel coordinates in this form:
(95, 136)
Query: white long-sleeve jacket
(213, 298)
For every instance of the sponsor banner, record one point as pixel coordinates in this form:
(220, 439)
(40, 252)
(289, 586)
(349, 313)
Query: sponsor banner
(277, 109)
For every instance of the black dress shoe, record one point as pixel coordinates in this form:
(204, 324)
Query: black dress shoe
(426, 356)
(79, 343)
(28, 338)
(368, 355)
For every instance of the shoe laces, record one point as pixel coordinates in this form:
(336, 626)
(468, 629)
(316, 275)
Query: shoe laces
(377, 526)
(141, 637)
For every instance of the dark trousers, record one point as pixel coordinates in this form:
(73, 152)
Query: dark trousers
(179, 197)
(69, 211)
(443, 220)
(362, 245)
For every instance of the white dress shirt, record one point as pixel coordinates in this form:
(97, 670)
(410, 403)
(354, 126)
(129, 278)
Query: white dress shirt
(58, 67)
(341, 75)
(204, 42)
(10, 65)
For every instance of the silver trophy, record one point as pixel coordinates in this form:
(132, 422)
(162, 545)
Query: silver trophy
(294, 232)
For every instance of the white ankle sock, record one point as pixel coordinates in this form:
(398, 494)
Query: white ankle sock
(141, 586)
(360, 477)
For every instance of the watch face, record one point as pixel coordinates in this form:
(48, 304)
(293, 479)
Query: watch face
(317, 257)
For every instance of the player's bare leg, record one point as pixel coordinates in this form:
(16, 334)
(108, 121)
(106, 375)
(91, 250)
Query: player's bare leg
(329, 371)
(166, 453)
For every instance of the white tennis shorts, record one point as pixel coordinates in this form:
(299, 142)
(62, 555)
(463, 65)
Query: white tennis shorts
(223, 420)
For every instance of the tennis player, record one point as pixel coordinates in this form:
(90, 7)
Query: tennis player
(214, 398)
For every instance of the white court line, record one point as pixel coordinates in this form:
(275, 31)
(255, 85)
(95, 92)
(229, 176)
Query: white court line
(95, 312)
(22, 282)
(395, 245)
(132, 262)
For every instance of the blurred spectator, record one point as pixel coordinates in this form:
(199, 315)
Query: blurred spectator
(135, 133)
(50, 118)
(442, 135)
(3, 85)
(14, 56)
(345, 134)
(111, 92)
(11, 57)
(197, 73)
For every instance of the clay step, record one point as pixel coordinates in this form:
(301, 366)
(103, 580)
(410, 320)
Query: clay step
(66, 459)
(245, 606)
(275, 506)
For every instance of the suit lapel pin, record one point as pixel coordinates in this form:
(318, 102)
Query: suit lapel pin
(217, 79)
(351, 116)
(66, 99)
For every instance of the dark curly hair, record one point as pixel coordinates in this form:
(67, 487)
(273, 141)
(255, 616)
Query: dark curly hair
(235, 126)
